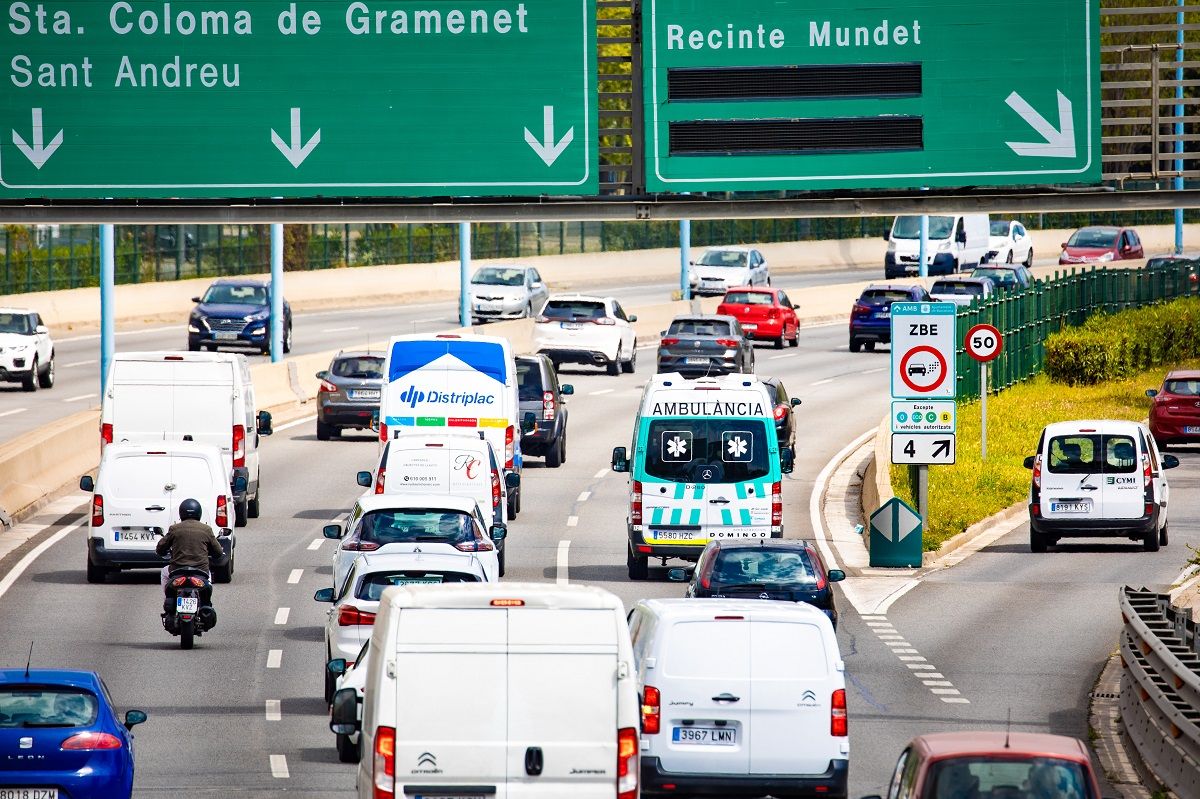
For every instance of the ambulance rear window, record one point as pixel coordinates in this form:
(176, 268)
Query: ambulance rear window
(708, 450)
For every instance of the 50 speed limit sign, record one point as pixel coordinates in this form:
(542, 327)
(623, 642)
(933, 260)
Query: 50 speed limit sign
(984, 343)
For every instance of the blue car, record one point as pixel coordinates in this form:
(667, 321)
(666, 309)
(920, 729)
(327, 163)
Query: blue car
(60, 737)
(236, 312)
(871, 316)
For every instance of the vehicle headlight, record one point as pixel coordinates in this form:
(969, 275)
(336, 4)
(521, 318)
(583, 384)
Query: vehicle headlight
(258, 329)
(199, 323)
(944, 247)
(1108, 256)
(891, 245)
(192, 328)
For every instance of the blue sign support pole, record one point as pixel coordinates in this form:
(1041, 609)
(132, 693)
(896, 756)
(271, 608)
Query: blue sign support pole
(923, 268)
(276, 293)
(108, 274)
(464, 274)
(685, 258)
(1179, 125)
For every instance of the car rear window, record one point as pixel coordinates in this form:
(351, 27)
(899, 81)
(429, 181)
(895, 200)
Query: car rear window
(573, 309)
(1045, 777)
(1092, 453)
(886, 294)
(1004, 277)
(372, 586)
(957, 287)
(749, 298)
(395, 526)
(47, 706)
(762, 565)
(699, 327)
(366, 367)
(787, 651)
(529, 380)
(138, 476)
(1185, 388)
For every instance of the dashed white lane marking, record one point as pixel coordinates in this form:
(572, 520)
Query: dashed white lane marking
(281, 615)
(600, 473)
(874, 371)
(601, 391)
(823, 382)
(14, 411)
(938, 683)
(584, 496)
(80, 397)
(339, 329)
(274, 658)
(921, 668)
(425, 321)
(564, 548)
(316, 544)
(913, 658)
(295, 576)
(73, 364)
(279, 767)
(781, 357)
(572, 521)
(273, 710)
(956, 700)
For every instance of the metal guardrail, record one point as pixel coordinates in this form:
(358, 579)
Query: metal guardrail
(1160, 688)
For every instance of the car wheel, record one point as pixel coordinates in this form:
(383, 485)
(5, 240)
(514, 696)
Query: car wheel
(239, 513)
(1029, 259)
(614, 367)
(855, 345)
(1150, 542)
(529, 310)
(563, 453)
(639, 567)
(253, 505)
(46, 378)
(1162, 536)
(95, 572)
(1037, 542)
(30, 381)
(348, 750)
(500, 561)
(779, 342)
(224, 574)
(209, 347)
(554, 454)
(870, 345)
(287, 339)
(193, 346)
(630, 366)
(1008, 259)
(795, 340)
(324, 431)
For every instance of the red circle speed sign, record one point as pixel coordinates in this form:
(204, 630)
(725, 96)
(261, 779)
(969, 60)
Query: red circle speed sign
(926, 363)
(984, 342)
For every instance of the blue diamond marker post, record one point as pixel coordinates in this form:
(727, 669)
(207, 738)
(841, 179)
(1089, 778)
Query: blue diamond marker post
(896, 535)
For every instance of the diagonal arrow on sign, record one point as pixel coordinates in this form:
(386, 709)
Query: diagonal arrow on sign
(941, 447)
(546, 149)
(1059, 142)
(40, 152)
(295, 153)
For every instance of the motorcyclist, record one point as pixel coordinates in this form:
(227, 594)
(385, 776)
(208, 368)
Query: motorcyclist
(191, 543)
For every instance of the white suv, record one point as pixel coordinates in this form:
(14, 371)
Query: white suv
(573, 328)
(26, 350)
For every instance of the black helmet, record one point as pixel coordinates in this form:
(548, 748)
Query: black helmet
(190, 509)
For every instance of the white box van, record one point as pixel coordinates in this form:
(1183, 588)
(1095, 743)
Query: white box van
(136, 497)
(954, 243)
(451, 382)
(1098, 478)
(511, 691)
(739, 698)
(209, 397)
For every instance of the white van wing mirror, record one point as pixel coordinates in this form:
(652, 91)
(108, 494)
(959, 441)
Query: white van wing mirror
(364, 479)
(1028, 462)
(86, 483)
(343, 715)
(264, 423)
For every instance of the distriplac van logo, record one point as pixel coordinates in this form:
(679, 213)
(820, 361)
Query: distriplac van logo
(414, 397)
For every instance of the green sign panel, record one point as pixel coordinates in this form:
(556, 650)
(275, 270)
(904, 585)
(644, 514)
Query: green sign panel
(265, 98)
(809, 95)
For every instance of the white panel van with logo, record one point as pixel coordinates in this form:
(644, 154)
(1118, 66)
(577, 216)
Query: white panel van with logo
(954, 243)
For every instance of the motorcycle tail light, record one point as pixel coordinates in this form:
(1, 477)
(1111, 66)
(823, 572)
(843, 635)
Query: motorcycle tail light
(178, 581)
(196, 581)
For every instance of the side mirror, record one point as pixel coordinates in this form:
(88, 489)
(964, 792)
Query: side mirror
(961, 238)
(1152, 392)
(343, 715)
(337, 666)
(332, 531)
(836, 575)
(499, 532)
(662, 334)
(364, 479)
(512, 481)
(321, 375)
(196, 300)
(620, 460)
(324, 595)
(787, 460)
(375, 420)
(566, 389)
(264, 423)
(796, 402)
(633, 317)
(42, 329)
(1063, 245)
(1028, 461)
(677, 575)
(134, 718)
(86, 483)
(1169, 461)
(528, 422)
(887, 235)
(239, 484)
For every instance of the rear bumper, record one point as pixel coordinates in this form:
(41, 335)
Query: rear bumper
(1095, 528)
(347, 414)
(1172, 432)
(942, 263)
(764, 329)
(101, 555)
(715, 366)
(832, 783)
(244, 339)
(881, 333)
(573, 355)
(638, 545)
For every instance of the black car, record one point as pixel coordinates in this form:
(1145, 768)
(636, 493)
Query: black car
(781, 569)
(705, 345)
(1184, 265)
(785, 417)
(236, 312)
(1012, 277)
(871, 316)
(348, 395)
(539, 393)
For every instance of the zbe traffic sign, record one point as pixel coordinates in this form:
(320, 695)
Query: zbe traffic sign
(923, 345)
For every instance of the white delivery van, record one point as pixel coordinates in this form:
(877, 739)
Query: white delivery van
(505, 691)
(450, 382)
(461, 464)
(1098, 478)
(739, 698)
(136, 497)
(206, 397)
(954, 243)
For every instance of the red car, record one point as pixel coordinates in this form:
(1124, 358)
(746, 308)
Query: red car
(1175, 412)
(995, 765)
(1100, 245)
(766, 314)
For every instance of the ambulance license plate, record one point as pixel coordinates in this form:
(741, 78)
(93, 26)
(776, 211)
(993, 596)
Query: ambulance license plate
(673, 535)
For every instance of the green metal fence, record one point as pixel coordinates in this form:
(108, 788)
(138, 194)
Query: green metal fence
(1026, 318)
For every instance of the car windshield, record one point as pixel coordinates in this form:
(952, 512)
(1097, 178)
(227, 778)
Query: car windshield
(699, 327)
(708, 450)
(909, 227)
(896, 295)
(224, 294)
(499, 276)
(1093, 237)
(529, 380)
(567, 310)
(723, 258)
(749, 298)
(1005, 278)
(397, 526)
(1092, 453)
(1026, 778)
(998, 227)
(1184, 388)
(760, 566)
(16, 323)
(47, 706)
(957, 287)
(366, 367)
(372, 586)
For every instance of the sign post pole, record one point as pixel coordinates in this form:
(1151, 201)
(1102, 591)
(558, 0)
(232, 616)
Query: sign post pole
(685, 258)
(922, 493)
(464, 277)
(983, 343)
(107, 324)
(276, 331)
(983, 392)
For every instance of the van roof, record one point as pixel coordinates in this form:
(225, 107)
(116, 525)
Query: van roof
(164, 447)
(456, 437)
(673, 381)
(370, 502)
(451, 337)
(482, 595)
(1102, 426)
(681, 609)
(178, 355)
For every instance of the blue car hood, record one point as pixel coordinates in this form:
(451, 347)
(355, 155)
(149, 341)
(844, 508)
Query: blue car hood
(230, 311)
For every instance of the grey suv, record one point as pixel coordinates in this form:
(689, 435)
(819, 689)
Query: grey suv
(349, 393)
(539, 393)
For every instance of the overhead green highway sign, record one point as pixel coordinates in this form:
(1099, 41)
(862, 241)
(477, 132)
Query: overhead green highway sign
(765, 95)
(265, 98)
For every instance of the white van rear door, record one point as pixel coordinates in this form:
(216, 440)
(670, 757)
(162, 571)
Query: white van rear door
(562, 703)
(471, 475)
(1073, 477)
(451, 718)
(792, 699)
(192, 478)
(204, 403)
(703, 674)
(137, 502)
(142, 400)
(420, 469)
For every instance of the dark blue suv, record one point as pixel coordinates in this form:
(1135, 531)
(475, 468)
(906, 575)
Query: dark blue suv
(236, 312)
(871, 316)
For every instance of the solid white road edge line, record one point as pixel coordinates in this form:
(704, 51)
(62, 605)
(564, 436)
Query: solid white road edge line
(78, 398)
(78, 363)
(885, 604)
(279, 767)
(814, 500)
(339, 329)
(27, 561)
(564, 548)
(296, 423)
(14, 411)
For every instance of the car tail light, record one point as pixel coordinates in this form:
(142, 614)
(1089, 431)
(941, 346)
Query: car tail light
(727, 342)
(635, 503)
(651, 718)
(350, 616)
(383, 431)
(222, 518)
(838, 722)
(776, 504)
(668, 342)
(106, 433)
(380, 479)
(604, 320)
(326, 387)
(97, 510)
(510, 447)
(1146, 475)
(1193, 277)
(358, 545)
(91, 742)
(239, 445)
(475, 545)
(860, 309)
(707, 573)
(780, 412)
(627, 763)
(495, 489)
(1037, 472)
(548, 406)
(384, 767)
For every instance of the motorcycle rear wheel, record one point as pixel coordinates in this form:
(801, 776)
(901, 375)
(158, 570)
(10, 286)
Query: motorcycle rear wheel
(187, 630)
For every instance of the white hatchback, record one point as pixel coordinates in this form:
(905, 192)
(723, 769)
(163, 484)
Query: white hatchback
(26, 349)
(573, 328)
(722, 268)
(1009, 242)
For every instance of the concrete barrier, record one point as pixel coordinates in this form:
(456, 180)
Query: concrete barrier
(877, 479)
(41, 461)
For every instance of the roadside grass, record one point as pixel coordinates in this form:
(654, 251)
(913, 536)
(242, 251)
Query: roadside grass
(972, 489)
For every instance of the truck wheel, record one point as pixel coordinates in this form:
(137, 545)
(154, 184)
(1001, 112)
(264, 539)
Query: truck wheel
(1150, 542)
(348, 751)
(1162, 536)
(239, 513)
(512, 506)
(252, 505)
(639, 567)
(96, 573)
(500, 561)
(1037, 542)
(224, 574)
(554, 454)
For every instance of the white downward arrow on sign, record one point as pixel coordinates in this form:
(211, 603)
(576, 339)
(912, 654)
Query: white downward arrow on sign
(546, 149)
(38, 154)
(295, 153)
(1059, 142)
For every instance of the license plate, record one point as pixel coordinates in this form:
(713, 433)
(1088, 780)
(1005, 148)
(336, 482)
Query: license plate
(1191, 431)
(28, 793)
(364, 394)
(224, 335)
(883, 314)
(696, 361)
(187, 604)
(133, 535)
(749, 327)
(570, 325)
(1071, 507)
(437, 578)
(719, 736)
(673, 535)
(486, 306)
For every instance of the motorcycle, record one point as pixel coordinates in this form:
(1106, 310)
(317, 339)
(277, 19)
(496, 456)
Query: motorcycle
(188, 610)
